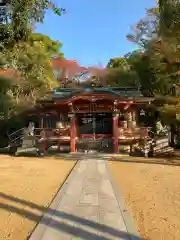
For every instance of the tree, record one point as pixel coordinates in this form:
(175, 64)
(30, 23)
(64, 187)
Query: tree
(33, 74)
(19, 17)
(159, 48)
(24, 58)
(51, 47)
(118, 63)
(169, 18)
(146, 29)
(5, 100)
(120, 73)
(157, 62)
(26, 53)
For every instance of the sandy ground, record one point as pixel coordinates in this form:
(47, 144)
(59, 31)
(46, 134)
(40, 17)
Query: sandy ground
(27, 187)
(152, 193)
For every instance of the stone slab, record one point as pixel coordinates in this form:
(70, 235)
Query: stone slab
(87, 207)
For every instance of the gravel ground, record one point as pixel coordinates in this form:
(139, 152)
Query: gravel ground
(27, 186)
(152, 193)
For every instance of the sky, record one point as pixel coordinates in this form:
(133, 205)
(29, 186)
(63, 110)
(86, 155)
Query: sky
(93, 31)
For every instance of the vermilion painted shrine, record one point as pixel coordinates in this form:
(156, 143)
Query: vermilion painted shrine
(101, 119)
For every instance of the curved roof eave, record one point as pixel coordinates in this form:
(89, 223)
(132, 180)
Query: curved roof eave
(112, 95)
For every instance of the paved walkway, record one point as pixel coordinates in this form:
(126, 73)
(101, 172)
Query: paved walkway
(86, 207)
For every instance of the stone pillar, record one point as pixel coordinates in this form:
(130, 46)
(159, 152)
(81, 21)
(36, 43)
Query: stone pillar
(73, 134)
(115, 131)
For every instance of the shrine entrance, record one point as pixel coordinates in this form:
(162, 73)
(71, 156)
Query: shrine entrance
(95, 131)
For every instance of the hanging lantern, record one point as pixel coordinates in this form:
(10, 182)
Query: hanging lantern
(70, 115)
(142, 112)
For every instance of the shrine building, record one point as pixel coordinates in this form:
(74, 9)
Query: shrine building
(91, 118)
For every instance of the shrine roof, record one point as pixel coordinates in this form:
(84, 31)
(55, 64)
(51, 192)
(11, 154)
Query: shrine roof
(120, 92)
(67, 95)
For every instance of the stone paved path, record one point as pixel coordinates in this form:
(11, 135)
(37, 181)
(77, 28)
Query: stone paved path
(88, 208)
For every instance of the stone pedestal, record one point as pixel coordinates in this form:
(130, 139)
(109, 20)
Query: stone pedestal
(28, 142)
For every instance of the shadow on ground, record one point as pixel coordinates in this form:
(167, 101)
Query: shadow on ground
(170, 162)
(59, 225)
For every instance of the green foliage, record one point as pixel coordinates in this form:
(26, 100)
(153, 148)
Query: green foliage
(170, 17)
(119, 73)
(51, 47)
(119, 77)
(19, 17)
(5, 100)
(155, 65)
(27, 53)
(146, 29)
(118, 63)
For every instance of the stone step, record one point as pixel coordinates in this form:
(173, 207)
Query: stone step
(21, 150)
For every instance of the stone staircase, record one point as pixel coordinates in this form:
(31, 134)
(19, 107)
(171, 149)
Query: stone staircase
(19, 141)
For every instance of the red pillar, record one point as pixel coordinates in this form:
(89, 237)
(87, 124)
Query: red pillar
(115, 132)
(73, 135)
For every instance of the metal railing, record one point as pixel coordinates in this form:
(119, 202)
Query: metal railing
(14, 133)
(17, 136)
